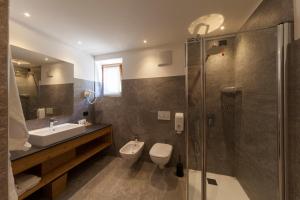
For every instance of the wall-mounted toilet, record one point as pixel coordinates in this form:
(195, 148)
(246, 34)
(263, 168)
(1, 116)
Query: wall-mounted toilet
(160, 154)
(132, 151)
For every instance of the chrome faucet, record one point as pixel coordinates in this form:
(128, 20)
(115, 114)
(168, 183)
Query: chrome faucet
(51, 123)
(136, 138)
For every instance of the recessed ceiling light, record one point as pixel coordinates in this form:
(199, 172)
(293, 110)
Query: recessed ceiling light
(222, 28)
(46, 59)
(27, 14)
(145, 41)
(79, 42)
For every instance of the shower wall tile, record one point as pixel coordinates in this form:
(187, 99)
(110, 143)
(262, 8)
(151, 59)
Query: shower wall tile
(4, 98)
(270, 13)
(220, 137)
(256, 116)
(294, 120)
(135, 113)
(73, 100)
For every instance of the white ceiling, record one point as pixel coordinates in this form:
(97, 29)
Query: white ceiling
(106, 26)
(35, 59)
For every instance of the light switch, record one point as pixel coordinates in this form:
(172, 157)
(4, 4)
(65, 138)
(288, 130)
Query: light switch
(164, 115)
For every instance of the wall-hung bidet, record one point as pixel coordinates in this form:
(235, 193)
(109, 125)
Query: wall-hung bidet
(160, 154)
(132, 151)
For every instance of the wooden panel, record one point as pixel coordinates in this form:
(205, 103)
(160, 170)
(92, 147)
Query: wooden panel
(49, 165)
(56, 187)
(65, 168)
(27, 162)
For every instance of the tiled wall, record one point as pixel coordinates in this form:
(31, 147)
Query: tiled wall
(220, 137)
(135, 113)
(59, 97)
(256, 128)
(28, 91)
(270, 13)
(294, 121)
(73, 98)
(3, 99)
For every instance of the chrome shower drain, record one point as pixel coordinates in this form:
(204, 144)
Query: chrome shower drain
(212, 181)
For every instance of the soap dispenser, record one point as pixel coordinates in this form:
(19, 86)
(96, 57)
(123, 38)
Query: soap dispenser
(179, 123)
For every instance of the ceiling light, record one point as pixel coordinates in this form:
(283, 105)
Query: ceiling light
(46, 59)
(79, 42)
(26, 14)
(145, 41)
(20, 62)
(206, 24)
(222, 28)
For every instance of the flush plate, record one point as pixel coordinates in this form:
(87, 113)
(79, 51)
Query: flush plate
(164, 115)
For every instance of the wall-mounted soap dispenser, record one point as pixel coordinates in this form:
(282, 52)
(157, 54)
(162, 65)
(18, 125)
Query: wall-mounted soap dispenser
(179, 123)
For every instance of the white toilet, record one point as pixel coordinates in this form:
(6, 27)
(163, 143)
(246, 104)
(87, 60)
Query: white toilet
(132, 151)
(160, 154)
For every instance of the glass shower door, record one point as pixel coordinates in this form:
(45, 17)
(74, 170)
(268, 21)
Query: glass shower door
(236, 130)
(242, 109)
(194, 83)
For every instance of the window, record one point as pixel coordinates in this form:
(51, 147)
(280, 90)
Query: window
(109, 77)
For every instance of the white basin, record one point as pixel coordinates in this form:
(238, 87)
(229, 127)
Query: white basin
(47, 136)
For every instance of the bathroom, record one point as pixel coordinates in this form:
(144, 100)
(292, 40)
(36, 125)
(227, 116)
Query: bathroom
(179, 100)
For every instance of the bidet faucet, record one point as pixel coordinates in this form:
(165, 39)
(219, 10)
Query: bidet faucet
(51, 123)
(136, 137)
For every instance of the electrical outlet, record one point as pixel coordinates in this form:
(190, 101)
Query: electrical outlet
(164, 115)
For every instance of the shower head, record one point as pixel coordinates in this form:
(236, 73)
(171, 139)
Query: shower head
(215, 50)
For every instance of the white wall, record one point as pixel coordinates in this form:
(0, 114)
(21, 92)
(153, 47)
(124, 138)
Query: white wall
(62, 73)
(144, 63)
(27, 38)
(297, 18)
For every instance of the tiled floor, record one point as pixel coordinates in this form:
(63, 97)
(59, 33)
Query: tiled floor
(110, 178)
(228, 188)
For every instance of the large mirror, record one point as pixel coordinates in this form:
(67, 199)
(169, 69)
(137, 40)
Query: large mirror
(45, 84)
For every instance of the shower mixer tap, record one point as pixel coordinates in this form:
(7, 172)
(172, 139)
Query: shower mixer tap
(210, 120)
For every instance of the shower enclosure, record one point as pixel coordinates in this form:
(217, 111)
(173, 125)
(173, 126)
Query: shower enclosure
(236, 95)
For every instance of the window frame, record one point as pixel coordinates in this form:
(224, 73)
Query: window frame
(120, 66)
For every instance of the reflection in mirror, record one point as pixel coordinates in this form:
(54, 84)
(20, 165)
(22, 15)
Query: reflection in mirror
(45, 84)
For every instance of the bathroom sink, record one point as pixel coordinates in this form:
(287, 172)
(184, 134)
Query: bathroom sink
(47, 136)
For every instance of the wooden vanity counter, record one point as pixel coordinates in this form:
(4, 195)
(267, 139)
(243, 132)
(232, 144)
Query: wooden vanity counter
(52, 163)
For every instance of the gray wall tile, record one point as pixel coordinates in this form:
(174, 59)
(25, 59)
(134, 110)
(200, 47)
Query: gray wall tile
(135, 113)
(220, 137)
(270, 13)
(294, 120)
(60, 97)
(4, 98)
(77, 104)
(256, 136)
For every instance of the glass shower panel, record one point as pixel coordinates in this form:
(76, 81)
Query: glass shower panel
(241, 116)
(195, 117)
